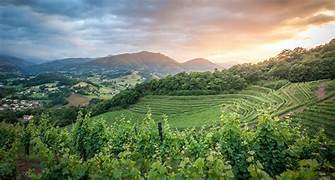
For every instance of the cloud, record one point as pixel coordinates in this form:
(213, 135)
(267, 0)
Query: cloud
(182, 29)
(313, 20)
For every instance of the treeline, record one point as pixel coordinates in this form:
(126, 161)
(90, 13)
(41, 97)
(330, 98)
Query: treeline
(297, 65)
(5, 91)
(113, 75)
(46, 78)
(194, 83)
(60, 116)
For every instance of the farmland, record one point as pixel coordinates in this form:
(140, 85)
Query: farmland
(77, 100)
(193, 111)
(103, 87)
(167, 90)
(321, 114)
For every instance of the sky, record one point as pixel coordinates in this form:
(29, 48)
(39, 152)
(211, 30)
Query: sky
(222, 31)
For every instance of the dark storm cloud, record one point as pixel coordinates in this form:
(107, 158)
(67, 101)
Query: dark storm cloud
(22, 23)
(54, 29)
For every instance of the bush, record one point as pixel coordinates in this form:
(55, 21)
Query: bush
(127, 150)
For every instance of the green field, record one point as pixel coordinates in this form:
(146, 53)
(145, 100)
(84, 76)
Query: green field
(193, 111)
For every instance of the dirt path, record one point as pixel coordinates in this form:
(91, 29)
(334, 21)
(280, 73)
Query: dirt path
(321, 92)
(23, 165)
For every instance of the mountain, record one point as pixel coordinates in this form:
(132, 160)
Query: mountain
(13, 64)
(200, 64)
(228, 64)
(141, 61)
(67, 64)
(144, 61)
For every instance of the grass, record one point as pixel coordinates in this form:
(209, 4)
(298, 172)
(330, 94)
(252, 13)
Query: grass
(194, 111)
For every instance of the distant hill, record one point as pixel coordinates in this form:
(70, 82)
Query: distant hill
(285, 65)
(141, 61)
(68, 64)
(228, 64)
(200, 64)
(144, 62)
(13, 64)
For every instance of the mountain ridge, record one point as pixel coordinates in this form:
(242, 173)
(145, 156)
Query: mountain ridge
(144, 61)
(200, 64)
(13, 64)
(148, 62)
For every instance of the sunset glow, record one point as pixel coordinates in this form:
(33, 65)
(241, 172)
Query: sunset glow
(222, 31)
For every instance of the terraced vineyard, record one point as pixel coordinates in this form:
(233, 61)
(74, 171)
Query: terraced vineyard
(192, 111)
(319, 115)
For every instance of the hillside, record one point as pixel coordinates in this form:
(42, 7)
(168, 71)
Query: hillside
(68, 64)
(199, 65)
(141, 61)
(13, 64)
(197, 111)
(144, 62)
(296, 65)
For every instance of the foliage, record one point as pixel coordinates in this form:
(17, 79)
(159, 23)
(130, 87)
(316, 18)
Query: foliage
(46, 78)
(297, 65)
(307, 170)
(9, 116)
(271, 145)
(125, 150)
(233, 145)
(63, 116)
(7, 165)
(5, 91)
(194, 83)
(88, 137)
(9, 143)
(275, 84)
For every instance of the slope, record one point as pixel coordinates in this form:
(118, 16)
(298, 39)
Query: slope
(68, 64)
(200, 64)
(193, 111)
(13, 64)
(141, 61)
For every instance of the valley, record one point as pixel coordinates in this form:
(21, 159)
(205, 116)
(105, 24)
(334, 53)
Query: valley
(144, 115)
(167, 90)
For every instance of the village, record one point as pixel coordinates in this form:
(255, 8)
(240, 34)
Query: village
(18, 105)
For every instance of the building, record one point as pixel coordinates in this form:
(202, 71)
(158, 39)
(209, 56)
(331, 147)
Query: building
(27, 118)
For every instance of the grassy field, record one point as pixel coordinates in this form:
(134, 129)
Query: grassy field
(193, 111)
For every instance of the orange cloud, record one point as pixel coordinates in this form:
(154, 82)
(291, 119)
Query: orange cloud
(183, 29)
(313, 20)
